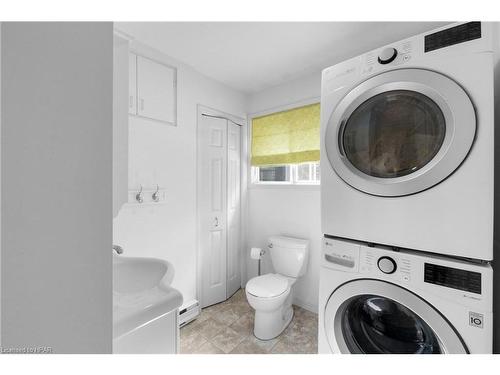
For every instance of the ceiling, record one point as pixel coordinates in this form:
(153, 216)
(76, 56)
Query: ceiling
(253, 56)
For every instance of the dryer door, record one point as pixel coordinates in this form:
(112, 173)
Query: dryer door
(373, 316)
(400, 132)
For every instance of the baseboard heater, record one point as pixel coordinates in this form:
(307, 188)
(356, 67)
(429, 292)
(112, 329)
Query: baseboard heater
(189, 312)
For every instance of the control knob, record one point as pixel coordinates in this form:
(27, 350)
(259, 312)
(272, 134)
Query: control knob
(386, 265)
(387, 55)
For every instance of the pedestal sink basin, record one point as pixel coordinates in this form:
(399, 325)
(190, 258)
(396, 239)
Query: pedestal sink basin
(144, 306)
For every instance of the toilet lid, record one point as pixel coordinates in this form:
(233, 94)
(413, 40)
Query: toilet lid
(267, 286)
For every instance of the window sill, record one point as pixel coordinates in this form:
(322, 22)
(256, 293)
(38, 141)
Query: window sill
(286, 186)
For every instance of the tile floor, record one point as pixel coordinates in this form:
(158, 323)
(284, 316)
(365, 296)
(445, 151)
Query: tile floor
(228, 328)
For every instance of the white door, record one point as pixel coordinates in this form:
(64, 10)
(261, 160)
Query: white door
(233, 207)
(212, 138)
(155, 90)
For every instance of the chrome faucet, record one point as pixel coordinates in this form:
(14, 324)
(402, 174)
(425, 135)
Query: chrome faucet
(118, 249)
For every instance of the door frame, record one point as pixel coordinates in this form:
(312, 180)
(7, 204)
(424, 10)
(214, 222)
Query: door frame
(202, 109)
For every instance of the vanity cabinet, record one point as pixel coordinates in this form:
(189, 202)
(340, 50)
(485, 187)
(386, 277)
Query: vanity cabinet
(152, 87)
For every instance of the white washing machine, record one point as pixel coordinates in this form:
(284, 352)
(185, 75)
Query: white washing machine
(376, 300)
(407, 144)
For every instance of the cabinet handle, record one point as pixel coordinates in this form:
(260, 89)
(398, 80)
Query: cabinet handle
(131, 101)
(216, 222)
(142, 104)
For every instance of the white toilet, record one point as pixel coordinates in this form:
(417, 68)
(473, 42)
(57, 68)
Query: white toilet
(271, 295)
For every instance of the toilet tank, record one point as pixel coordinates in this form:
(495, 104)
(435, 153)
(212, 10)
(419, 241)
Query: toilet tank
(289, 255)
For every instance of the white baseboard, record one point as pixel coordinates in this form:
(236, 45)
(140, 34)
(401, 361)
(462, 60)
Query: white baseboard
(308, 306)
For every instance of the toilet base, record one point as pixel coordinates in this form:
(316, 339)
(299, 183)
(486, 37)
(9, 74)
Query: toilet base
(270, 324)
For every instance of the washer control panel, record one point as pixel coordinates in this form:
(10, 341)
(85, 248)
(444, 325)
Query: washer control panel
(352, 256)
(341, 255)
(449, 278)
(385, 262)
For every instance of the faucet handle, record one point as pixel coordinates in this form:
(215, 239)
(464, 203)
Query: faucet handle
(118, 249)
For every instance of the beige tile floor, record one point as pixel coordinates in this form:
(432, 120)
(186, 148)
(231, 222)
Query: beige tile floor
(228, 328)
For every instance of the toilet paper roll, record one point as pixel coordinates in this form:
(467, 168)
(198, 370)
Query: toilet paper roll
(255, 253)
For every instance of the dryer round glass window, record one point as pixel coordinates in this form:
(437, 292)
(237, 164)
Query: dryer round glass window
(393, 134)
(373, 324)
(400, 132)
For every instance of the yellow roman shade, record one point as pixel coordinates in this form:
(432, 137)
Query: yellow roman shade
(287, 137)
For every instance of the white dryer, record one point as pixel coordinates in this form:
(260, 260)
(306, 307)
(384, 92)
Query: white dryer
(407, 144)
(375, 300)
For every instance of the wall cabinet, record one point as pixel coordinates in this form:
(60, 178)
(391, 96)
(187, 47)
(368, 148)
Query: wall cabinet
(153, 90)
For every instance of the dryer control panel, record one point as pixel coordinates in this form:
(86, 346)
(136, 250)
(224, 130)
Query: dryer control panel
(397, 54)
(444, 43)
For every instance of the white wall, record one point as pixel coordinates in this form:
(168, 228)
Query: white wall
(56, 186)
(289, 94)
(166, 155)
(287, 210)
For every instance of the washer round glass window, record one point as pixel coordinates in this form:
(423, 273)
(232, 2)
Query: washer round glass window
(393, 134)
(372, 324)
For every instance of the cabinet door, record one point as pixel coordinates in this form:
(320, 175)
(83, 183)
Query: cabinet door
(132, 84)
(156, 90)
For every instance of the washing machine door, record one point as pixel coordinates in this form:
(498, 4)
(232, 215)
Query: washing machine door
(400, 132)
(373, 316)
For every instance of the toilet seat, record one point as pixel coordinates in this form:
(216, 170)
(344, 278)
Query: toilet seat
(268, 286)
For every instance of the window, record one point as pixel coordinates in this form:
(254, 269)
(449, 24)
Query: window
(307, 173)
(278, 173)
(285, 147)
(300, 174)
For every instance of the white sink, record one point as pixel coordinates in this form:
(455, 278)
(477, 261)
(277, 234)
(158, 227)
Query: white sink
(133, 275)
(144, 306)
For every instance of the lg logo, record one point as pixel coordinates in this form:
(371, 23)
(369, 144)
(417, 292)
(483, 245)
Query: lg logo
(475, 319)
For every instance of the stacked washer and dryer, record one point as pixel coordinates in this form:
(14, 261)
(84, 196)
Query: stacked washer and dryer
(407, 168)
